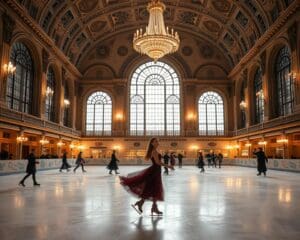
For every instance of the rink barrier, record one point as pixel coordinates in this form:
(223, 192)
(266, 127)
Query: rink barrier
(19, 166)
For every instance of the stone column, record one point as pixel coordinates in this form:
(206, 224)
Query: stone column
(8, 26)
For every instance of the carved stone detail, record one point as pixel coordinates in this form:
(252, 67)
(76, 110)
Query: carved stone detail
(8, 28)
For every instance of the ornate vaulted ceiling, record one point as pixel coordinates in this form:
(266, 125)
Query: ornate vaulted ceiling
(81, 27)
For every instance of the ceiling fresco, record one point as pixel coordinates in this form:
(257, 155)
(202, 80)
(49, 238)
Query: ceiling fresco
(81, 27)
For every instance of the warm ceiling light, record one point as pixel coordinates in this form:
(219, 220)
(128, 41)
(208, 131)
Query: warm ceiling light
(248, 145)
(262, 143)
(156, 41)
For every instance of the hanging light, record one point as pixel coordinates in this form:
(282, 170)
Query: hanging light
(157, 40)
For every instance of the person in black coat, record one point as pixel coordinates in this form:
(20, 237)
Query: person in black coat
(220, 159)
(200, 162)
(31, 169)
(166, 161)
(65, 164)
(113, 163)
(261, 161)
(80, 162)
(180, 157)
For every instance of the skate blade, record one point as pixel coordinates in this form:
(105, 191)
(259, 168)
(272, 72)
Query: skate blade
(136, 209)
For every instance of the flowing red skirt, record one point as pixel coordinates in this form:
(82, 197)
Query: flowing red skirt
(146, 184)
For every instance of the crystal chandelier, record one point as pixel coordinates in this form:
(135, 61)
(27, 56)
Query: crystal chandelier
(158, 40)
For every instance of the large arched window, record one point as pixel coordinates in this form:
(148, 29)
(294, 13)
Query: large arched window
(67, 106)
(284, 81)
(259, 96)
(155, 100)
(50, 91)
(98, 114)
(19, 85)
(211, 114)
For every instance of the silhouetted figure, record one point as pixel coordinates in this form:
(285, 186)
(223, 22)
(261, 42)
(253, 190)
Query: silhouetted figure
(214, 159)
(166, 161)
(209, 159)
(80, 162)
(180, 157)
(147, 184)
(220, 159)
(172, 159)
(30, 169)
(113, 163)
(201, 162)
(65, 164)
(261, 161)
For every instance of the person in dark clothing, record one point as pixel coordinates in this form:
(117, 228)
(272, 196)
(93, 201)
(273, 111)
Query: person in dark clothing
(220, 159)
(80, 162)
(166, 161)
(30, 169)
(200, 162)
(209, 159)
(261, 161)
(113, 163)
(65, 164)
(180, 157)
(214, 159)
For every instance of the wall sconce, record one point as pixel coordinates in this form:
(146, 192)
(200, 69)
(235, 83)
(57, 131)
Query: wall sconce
(81, 147)
(60, 143)
(49, 92)
(9, 68)
(283, 140)
(72, 146)
(22, 139)
(248, 145)
(119, 116)
(44, 141)
(191, 116)
(262, 143)
(243, 105)
(116, 147)
(293, 76)
(66, 102)
(260, 93)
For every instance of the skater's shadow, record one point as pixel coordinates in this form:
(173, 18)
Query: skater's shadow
(148, 228)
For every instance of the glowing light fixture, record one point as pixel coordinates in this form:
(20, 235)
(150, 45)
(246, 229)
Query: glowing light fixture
(262, 143)
(243, 105)
(284, 140)
(22, 139)
(9, 68)
(67, 103)
(157, 41)
(44, 141)
(49, 92)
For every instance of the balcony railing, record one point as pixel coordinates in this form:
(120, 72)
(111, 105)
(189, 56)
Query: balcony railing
(25, 118)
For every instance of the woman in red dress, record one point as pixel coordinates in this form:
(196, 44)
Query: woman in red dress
(147, 184)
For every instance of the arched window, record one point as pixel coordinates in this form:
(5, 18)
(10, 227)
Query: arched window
(259, 96)
(211, 114)
(98, 114)
(50, 91)
(19, 85)
(155, 100)
(242, 109)
(67, 106)
(285, 86)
